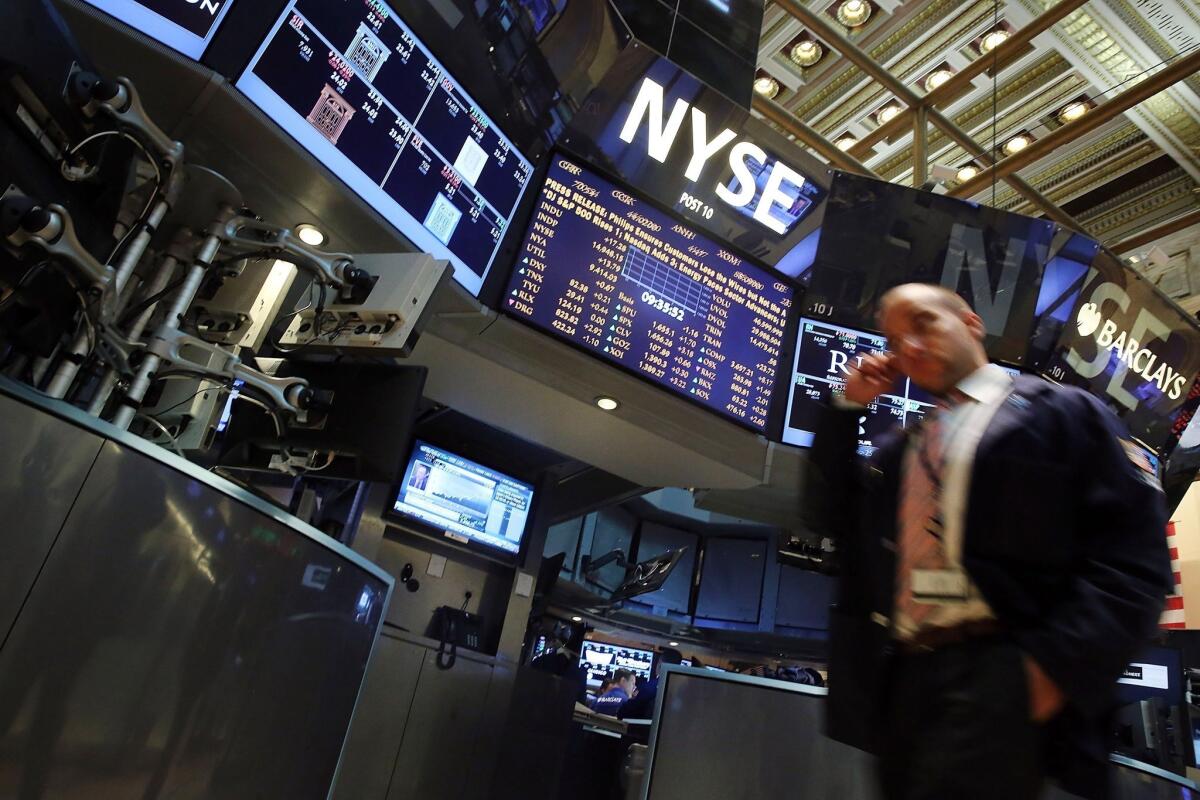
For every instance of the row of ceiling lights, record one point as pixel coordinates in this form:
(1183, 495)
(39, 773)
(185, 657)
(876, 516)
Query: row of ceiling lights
(852, 13)
(807, 52)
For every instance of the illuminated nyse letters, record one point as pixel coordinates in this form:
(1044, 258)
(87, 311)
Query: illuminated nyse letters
(660, 137)
(207, 5)
(1128, 346)
(967, 253)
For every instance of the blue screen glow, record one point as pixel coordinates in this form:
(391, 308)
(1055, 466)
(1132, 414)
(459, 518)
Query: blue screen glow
(468, 501)
(362, 94)
(623, 280)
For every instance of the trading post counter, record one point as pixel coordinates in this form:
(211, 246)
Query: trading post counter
(721, 735)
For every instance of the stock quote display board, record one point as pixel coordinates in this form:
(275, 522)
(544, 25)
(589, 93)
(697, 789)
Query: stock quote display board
(1130, 346)
(623, 280)
(824, 355)
(184, 25)
(357, 89)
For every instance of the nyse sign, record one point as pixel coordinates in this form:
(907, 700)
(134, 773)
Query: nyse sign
(876, 235)
(783, 184)
(196, 16)
(1128, 344)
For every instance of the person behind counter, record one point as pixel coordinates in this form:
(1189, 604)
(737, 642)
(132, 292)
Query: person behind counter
(641, 705)
(620, 689)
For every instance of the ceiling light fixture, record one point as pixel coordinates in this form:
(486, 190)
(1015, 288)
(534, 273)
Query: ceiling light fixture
(607, 403)
(966, 173)
(853, 13)
(992, 40)
(937, 78)
(806, 53)
(673, 644)
(311, 235)
(767, 86)
(845, 142)
(1016, 144)
(1073, 111)
(887, 113)
(576, 619)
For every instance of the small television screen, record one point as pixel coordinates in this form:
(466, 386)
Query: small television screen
(600, 659)
(824, 354)
(359, 91)
(1157, 672)
(186, 26)
(624, 281)
(468, 502)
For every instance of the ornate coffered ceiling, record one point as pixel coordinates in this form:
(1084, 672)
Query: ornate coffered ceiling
(1136, 172)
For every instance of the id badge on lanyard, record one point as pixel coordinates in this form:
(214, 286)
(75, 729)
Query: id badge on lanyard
(951, 585)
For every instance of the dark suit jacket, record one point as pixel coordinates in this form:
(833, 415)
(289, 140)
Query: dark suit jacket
(1064, 537)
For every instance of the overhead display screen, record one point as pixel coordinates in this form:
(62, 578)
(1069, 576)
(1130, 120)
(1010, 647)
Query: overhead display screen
(876, 235)
(601, 660)
(623, 280)
(1133, 348)
(357, 89)
(468, 501)
(183, 25)
(824, 355)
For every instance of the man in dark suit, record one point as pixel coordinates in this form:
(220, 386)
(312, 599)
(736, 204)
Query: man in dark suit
(1000, 564)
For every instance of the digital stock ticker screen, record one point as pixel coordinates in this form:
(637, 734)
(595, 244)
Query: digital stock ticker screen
(357, 89)
(824, 355)
(627, 282)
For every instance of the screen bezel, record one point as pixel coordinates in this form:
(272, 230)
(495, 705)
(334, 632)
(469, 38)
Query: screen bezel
(162, 30)
(426, 528)
(774, 414)
(650, 670)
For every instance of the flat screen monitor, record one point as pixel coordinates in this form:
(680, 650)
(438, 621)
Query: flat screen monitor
(824, 354)
(1157, 672)
(600, 660)
(468, 502)
(357, 89)
(612, 274)
(183, 25)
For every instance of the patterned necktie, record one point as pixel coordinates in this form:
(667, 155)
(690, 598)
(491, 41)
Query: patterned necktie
(920, 528)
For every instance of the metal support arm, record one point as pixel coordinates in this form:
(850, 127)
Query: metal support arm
(245, 235)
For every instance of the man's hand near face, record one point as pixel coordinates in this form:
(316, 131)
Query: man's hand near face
(874, 376)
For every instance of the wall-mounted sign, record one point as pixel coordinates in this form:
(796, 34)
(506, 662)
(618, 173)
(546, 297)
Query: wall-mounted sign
(782, 188)
(183, 25)
(668, 134)
(1128, 344)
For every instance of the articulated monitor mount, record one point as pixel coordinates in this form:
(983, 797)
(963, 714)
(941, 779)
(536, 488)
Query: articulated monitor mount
(643, 578)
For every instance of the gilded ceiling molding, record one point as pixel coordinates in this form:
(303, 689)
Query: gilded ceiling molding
(1139, 208)
(1094, 46)
(1150, 35)
(1094, 176)
(1033, 83)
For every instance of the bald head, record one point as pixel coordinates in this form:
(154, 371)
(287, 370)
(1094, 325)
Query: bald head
(935, 337)
(923, 293)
